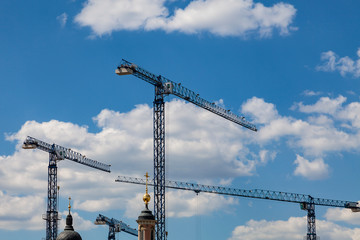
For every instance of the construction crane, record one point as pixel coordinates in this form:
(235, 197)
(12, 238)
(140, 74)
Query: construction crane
(114, 226)
(306, 202)
(164, 87)
(57, 153)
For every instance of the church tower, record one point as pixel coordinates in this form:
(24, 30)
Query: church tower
(146, 219)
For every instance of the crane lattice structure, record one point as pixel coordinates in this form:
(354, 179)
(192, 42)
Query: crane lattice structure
(164, 87)
(306, 202)
(57, 153)
(115, 226)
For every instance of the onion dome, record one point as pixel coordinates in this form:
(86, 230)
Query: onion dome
(69, 233)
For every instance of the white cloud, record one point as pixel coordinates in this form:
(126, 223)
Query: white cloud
(180, 204)
(187, 204)
(314, 170)
(333, 107)
(219, 17)
(79, 223)
(227, 18)
(124, 140)
(262, 111)
(106, 16)
(343, 215)
(266, 155)
(292, 229)
(26, 215)
(312, 135)
(344, 65)
(323, 105)
(62, 19)
(351, 113)
(311, 93)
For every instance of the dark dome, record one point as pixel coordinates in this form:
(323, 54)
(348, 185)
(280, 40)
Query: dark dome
(69, 233)
(146, 214)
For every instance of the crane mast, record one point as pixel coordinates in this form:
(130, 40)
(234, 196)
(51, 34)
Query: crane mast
(306, 202)
(57, 153)
(164, 87)
(115, 226)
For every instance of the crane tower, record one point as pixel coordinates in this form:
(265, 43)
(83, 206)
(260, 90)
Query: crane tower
(57, 153)
(164, 87)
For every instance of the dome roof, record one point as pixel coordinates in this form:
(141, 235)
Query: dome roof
(146, 214)
(69, 235)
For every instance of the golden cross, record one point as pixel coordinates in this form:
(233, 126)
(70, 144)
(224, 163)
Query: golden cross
(147, 178)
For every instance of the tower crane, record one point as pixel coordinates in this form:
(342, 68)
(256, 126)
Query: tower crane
(306, 202)
(115, 226)
(57, 153)
(164, 87)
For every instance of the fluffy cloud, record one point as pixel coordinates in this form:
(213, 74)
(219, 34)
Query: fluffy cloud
(317, 135)
(180, 204)
(62, 19)
(334, 107)
(219, 17)
(124, 140)
(217, 150)
(227, 18)
(105, 16)
(344, 65)
(26, 215)
(314, 170)
(292, 229)
(78, 222)
(351, 113)
(324, 105)
(262, 111)
(343, 215)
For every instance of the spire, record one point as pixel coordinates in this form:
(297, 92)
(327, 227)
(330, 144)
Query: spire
(69, 233)
(69, 207)
(146, 197)
(69, 219)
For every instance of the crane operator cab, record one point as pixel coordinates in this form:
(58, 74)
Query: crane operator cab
(168, 88)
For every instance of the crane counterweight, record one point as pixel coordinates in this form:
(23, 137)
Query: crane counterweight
(123, 71)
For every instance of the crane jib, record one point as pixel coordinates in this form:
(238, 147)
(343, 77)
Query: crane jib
(169, 87)
(253, 193)
(64, 153)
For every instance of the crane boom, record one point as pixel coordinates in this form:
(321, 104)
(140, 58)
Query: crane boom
(170, 87)
(64, 153)
(114, 226)
(254, 193)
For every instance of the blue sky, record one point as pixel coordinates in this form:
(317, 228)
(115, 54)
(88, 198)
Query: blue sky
(292, 68)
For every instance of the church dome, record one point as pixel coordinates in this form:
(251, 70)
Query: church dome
(69, 233)
(146, 214)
